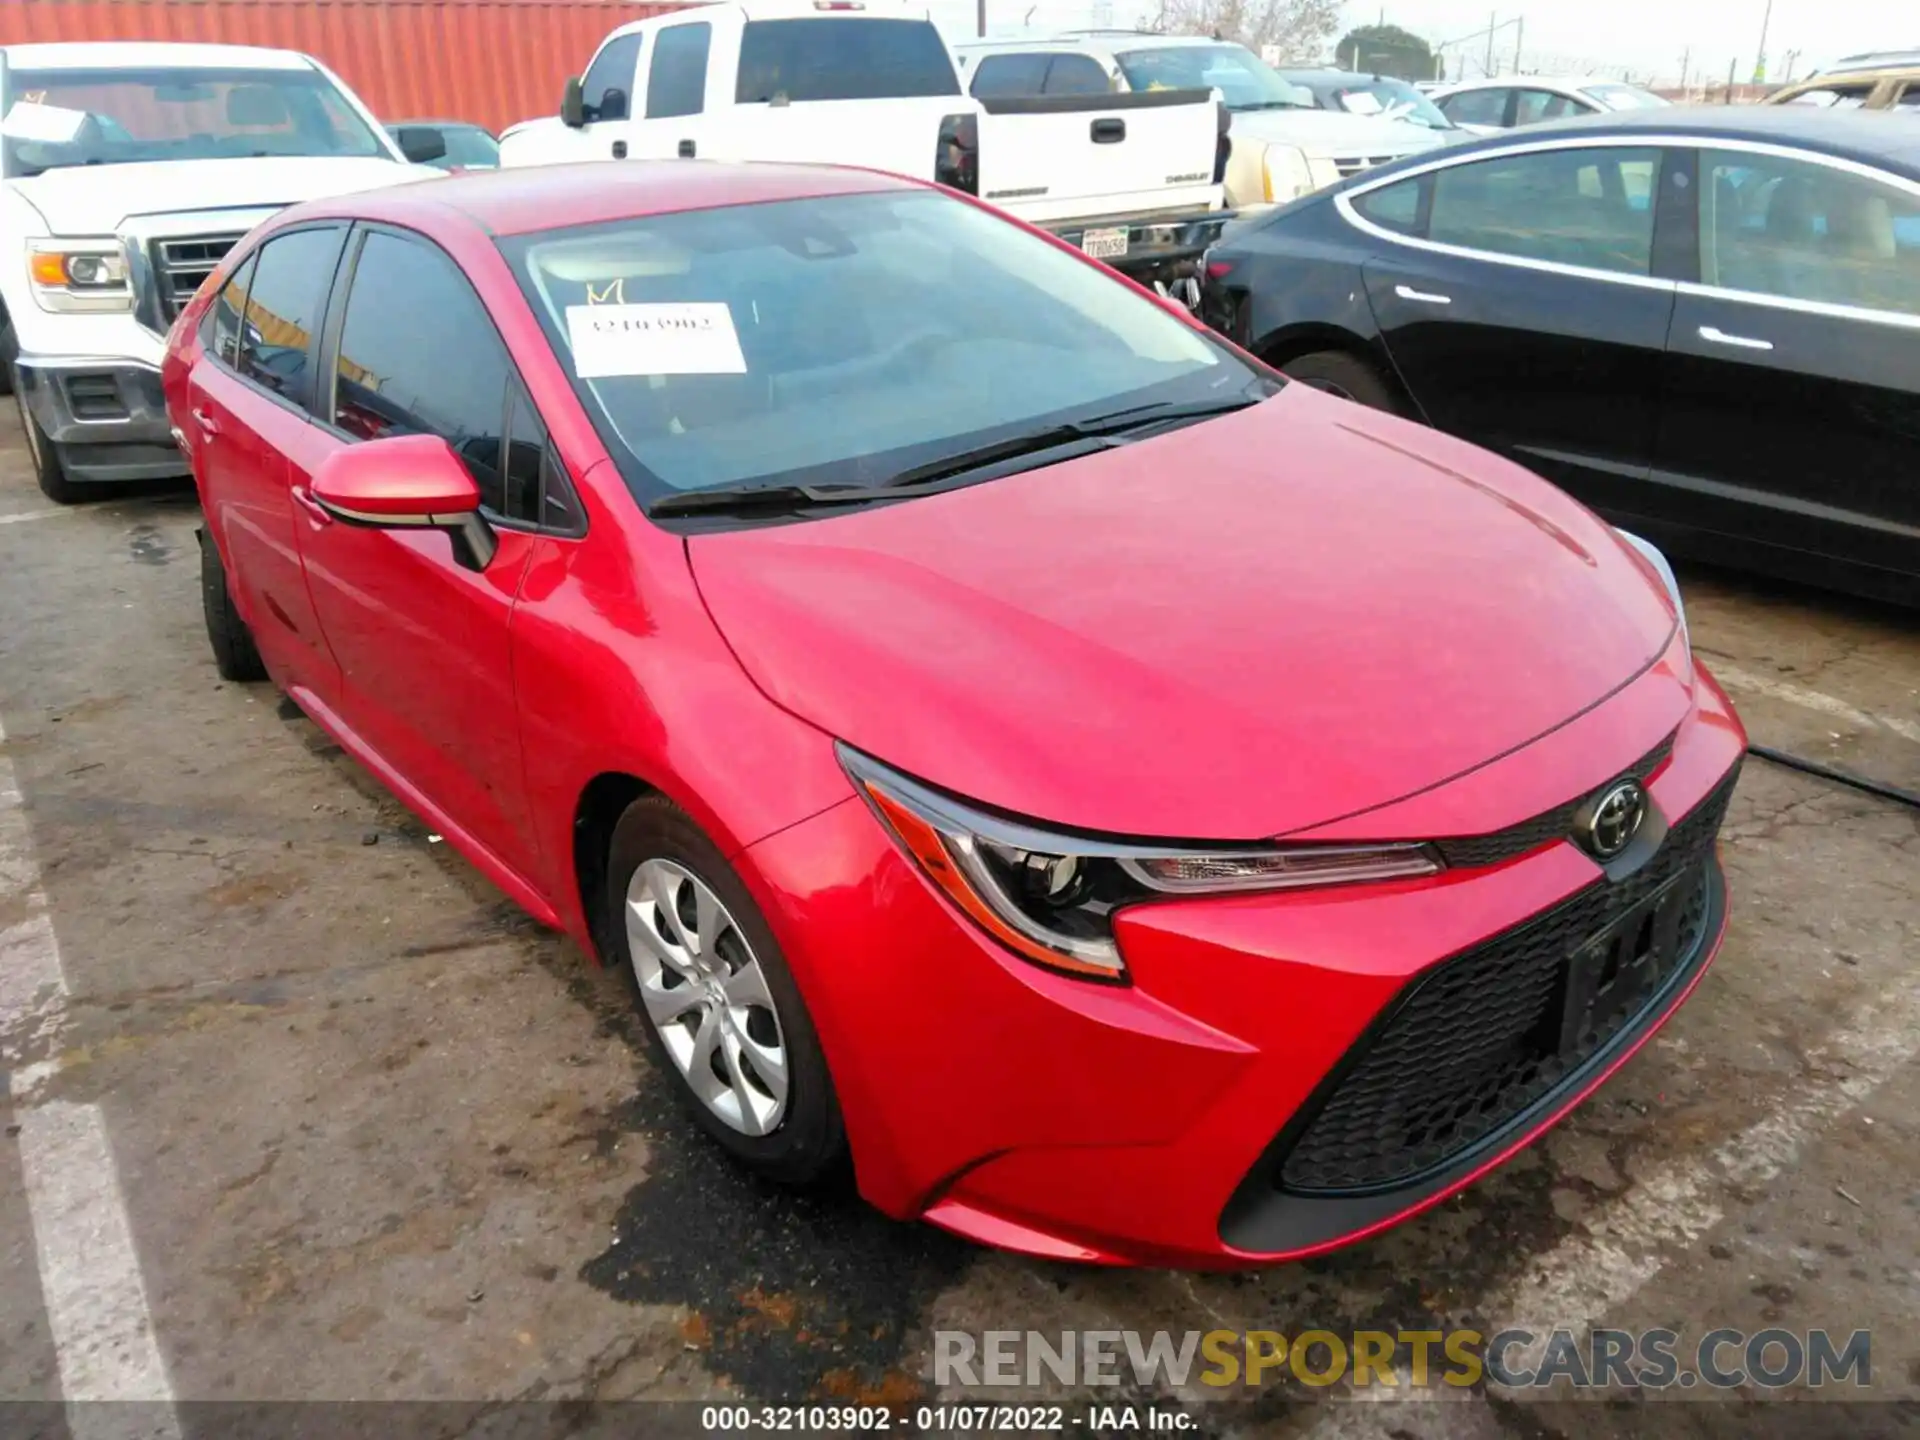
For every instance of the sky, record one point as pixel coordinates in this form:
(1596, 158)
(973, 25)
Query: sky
(1646, 37)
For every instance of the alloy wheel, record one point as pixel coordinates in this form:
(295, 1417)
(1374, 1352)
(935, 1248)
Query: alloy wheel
(707, 996)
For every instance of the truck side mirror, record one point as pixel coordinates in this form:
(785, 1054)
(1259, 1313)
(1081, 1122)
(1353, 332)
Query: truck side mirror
(573, 104)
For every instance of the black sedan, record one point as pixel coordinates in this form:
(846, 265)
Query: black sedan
(1359, 94)
(1704, 323)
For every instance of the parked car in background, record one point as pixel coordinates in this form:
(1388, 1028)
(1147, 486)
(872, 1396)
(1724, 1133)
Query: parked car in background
(1282, 144)
(1129, 179)
(851, 614)
(1872, 60)
(1705, 323)
(463, 146)
(1382, 95)
(1483, 107)
(1893, 88)
(126, 171)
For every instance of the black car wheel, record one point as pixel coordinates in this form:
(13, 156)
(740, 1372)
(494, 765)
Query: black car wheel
(9, 352)
(1348, 376)
(724, 1016)
(235, 655)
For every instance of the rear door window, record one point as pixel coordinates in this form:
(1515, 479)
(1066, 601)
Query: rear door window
(289, 290)
(830, 58)
(1533, 106)
(222, 334)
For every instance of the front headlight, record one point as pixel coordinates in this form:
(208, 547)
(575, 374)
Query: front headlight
(1051, 898)
(1650, 552)
(79, 275)
(1285, 173)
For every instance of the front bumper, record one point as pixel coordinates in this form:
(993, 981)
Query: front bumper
(1161, 251)
(107, 415)
(1150, 1123)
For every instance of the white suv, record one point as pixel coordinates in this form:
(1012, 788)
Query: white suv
(1282, 145)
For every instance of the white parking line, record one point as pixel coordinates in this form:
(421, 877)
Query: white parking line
(26, 515)
(89, 1272)
(1736, 678)
(1594, 1271)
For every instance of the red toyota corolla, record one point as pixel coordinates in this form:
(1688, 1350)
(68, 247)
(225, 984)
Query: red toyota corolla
(1131, 808)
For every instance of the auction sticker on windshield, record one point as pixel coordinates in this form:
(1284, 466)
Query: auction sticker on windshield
(685, 339)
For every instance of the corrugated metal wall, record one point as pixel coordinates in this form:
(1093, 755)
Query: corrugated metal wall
(489, 61)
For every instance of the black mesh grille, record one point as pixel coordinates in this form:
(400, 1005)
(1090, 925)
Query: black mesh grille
(181, 266)
(1485, 1035)
(1465, 852)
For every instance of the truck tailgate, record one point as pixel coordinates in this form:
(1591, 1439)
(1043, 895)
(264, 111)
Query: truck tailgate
(898, 135)
(1049, 158)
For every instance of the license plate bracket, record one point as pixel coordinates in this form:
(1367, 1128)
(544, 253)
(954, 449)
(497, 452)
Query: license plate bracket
(1615, 973)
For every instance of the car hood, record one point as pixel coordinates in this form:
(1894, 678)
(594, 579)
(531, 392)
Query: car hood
(1333, 132)
(1238, 629)
(99, 199)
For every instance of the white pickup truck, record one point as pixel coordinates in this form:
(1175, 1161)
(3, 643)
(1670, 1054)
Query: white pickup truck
(1134, 180)
(126, 172)
(1282, 146)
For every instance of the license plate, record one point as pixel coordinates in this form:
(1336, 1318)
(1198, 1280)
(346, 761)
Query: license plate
(1105, 244)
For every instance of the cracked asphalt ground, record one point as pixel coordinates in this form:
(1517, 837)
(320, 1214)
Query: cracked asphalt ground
(381, 1137)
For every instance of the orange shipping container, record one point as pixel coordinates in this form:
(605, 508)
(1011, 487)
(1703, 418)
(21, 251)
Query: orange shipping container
(492, 62)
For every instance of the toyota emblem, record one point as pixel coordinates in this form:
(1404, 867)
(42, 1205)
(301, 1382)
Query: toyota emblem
(1616, 819)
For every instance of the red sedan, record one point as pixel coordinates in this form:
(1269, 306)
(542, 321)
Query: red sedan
(1126, 806)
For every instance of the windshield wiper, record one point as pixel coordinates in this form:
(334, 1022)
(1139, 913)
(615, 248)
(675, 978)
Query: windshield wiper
(736, 499)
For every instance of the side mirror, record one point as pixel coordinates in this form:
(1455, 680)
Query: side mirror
(407, 482)
(573, 104)
(420, 143)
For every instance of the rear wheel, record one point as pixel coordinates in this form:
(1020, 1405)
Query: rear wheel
(1345, 375)
(9, 352)
(722, 1010)
(235, 655)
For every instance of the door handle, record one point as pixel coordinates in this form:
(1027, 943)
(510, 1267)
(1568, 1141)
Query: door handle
(1421, 297)
(1108, 131)
(205, 422)
(1718, 336)
(686, 149)
(316, 512)
(619, 149)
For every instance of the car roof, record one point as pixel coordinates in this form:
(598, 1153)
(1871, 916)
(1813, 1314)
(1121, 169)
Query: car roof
(1848, 79)
(1547, 82)
(1872, 137)
(157, 54)
(520, 201)
(750, 10)
(1103, 41)
(1336, 77)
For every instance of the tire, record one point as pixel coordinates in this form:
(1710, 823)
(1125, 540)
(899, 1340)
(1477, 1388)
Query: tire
(657, 853)
(47, 469)
(235, 655)
(9, 352)
(1345, 375)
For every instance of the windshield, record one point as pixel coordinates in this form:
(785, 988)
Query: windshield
(1394, 99)
(1624, 97)
(843, 339)
(114, 117)
(1246, 81)
(836, 59)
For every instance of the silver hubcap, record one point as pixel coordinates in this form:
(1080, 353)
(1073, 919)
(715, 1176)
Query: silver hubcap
(706, 996)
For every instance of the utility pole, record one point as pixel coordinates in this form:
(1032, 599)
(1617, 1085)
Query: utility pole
(1760, 60)
(1732, 66)
(1519, 34)
(980, 13)
(1493, 24)
(1685, 56)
